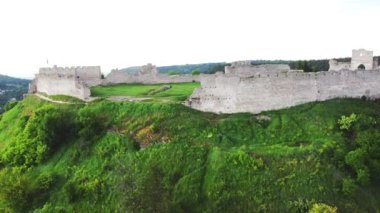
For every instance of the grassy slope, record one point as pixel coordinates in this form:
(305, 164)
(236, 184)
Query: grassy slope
(198, 161)
(178, 92)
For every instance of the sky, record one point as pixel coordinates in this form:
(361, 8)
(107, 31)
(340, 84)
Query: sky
(123, 33)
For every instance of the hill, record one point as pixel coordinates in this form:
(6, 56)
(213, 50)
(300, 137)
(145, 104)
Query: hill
(155, 157)
(185, 69)
(11, 89)
(306, 65)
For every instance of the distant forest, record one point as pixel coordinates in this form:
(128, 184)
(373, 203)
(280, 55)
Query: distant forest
(210, 68)
(11, 89)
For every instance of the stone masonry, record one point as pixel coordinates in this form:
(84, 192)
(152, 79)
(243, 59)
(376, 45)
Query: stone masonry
(71, 81)
(360, 58)
(255, 90)
(148, 74)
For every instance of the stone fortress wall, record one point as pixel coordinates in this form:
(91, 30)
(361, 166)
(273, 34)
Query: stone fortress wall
(71, 81)
(76, 81)
(148, 74)
(256, 89)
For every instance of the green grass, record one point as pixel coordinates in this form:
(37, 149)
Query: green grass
(66, 98)
(177, 92)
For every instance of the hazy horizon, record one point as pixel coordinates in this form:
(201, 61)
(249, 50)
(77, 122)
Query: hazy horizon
(119, 34)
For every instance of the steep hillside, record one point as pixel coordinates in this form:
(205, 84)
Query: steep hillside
(152, 157)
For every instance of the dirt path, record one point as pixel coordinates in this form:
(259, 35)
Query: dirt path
(51, 100)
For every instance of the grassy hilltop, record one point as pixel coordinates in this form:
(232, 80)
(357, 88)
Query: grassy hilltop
(178, 91)
(154, 157)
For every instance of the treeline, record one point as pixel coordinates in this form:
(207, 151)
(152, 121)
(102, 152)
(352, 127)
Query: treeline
(211, 68)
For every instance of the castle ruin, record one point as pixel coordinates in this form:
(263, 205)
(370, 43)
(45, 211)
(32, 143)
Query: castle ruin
(71, 81)
(148, 74)
(247, 88)
(76, 81)
(242, 87)
(361, 60)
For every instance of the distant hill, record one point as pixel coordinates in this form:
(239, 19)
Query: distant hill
(306, 65)
(4, 79)
(11, 89)
(185, 69)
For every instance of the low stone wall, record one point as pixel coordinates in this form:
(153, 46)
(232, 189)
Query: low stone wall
(246, 69)
(118, 77)
(224, 93)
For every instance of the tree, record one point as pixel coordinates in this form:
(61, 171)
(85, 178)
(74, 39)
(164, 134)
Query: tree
(195, 72)
(173, 72)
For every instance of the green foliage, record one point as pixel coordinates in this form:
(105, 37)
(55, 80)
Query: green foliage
(348, 186)
(310, 66)
(346, 122)
(83, 186)
(44, 132)
(15, 188)
(322, 208)
(10, 105)
(173, 72)
(93, 121)
(195, 72)
(156, 157)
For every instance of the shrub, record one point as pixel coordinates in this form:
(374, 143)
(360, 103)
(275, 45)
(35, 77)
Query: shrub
(349, 187)
(346, 122)
(322, 208)
(93, 121)
(44, 132)
(14, 188)
(173, 72)
(46, 181)
(195, 72)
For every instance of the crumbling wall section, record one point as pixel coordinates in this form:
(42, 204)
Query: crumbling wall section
(148, 74)
(244, 68)
(334, 65)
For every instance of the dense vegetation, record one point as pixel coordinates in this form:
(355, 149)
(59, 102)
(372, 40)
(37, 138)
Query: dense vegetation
(11, 89)
(154, 157)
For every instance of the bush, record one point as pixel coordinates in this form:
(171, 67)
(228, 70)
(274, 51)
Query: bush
(349, 187)
(195, 72)
(173, 72)
(346, 122)
(14, 188)
(46, 181)
(8, 106)
(93, 121)
(322, 208)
